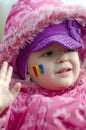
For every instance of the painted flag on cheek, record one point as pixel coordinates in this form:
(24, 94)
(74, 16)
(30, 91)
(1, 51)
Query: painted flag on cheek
(38, 69)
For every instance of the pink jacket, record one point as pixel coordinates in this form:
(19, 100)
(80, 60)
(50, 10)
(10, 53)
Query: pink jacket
(39, 109)
(36, 108)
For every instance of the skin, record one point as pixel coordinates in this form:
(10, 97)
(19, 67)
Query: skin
(61, 67)
(61, 70)
(7, 96)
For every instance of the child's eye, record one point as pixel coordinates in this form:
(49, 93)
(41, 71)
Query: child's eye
(49, 53)
(68, 50)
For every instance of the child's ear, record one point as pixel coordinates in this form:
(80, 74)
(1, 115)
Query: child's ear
(28, 77)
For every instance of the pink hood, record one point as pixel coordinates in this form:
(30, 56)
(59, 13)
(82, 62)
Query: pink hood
(28, 17)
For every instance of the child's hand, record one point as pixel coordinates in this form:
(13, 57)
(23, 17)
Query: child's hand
(7, 96)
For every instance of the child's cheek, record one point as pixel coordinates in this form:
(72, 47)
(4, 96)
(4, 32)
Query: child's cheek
(38, 69)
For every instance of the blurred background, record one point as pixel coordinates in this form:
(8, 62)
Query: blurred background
(5, 6)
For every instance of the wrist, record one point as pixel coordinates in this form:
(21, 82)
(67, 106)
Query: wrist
(4, 111)
(1, 110)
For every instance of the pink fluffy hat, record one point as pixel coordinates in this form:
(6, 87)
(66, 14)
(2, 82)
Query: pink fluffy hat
(28, 18)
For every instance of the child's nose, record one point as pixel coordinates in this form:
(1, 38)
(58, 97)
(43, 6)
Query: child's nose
(61, 60)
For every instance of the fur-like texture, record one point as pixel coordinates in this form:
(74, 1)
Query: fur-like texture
(36, 108)
(25, 22)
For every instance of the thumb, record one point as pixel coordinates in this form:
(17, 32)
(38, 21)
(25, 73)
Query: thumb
(16, 90)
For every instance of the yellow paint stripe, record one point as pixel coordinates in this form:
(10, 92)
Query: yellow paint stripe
(37, 70)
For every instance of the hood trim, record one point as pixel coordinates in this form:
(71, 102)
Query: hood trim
(15, 37)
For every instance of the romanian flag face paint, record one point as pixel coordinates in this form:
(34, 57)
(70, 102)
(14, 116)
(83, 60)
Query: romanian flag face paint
(38, 69)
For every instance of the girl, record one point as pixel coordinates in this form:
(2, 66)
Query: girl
(43, 43)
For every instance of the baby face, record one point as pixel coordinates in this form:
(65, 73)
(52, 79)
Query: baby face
(59, 67)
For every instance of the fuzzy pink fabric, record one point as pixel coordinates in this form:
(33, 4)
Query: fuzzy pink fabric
(39, 109)
(36, 108)
(20, 25)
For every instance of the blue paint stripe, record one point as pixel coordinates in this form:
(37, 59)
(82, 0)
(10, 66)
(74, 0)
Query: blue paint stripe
(41, 68)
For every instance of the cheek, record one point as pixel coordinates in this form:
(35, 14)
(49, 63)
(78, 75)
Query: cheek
(38, 70)
(76, 66)
(75, 61)
(40, 74)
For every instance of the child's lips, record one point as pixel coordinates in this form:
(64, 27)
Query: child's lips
(64, 70)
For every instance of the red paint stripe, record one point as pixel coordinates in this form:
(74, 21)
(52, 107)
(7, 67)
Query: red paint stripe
(35, 71)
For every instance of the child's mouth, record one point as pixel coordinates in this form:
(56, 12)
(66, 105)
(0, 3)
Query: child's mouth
(64, 70)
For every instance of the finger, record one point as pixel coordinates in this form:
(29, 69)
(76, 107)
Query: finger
(9, 74)
(16, 90)
(3, 70)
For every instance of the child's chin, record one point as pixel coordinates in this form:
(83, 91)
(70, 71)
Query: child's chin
(63, 87)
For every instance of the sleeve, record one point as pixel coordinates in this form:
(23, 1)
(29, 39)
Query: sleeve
(4, 118)
(11, 117)
(17, 110)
